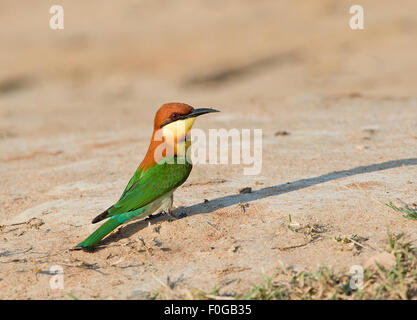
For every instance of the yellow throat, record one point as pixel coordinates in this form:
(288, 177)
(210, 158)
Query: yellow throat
(175, 135)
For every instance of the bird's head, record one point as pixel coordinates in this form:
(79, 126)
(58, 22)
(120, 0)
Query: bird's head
(176, 119)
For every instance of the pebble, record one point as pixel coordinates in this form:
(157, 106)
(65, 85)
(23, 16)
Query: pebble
(245, 190)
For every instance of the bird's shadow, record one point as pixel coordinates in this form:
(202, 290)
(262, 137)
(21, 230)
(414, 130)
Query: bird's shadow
(230, 200)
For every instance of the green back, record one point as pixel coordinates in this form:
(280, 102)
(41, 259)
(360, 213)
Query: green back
(145, 187)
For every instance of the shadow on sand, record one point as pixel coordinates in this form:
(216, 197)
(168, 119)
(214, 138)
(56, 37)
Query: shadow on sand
(230, 200)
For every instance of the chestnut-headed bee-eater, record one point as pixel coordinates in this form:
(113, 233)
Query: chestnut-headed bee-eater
(164, 168)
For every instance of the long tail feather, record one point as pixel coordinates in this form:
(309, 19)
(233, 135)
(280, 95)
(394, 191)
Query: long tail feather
(100, 233)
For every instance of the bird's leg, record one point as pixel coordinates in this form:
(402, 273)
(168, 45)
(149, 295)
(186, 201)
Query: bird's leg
(169, 212)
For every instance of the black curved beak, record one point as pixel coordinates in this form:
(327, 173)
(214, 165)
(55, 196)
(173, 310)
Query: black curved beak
(192, 114)
(199, 112)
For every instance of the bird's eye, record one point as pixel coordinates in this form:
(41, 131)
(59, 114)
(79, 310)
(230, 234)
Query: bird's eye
(174, 116)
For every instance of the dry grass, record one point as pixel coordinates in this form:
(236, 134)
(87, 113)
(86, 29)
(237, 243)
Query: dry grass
(397, 282)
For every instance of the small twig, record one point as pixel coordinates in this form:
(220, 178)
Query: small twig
(363, 245)
(294, 247)
(146, 247)
(160, 281)
(84, 266)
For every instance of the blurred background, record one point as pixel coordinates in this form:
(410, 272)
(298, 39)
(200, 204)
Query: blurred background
(150, 52)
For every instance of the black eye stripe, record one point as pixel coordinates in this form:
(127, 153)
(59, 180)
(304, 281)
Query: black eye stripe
(178, 117)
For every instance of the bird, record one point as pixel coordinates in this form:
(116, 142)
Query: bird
(164, 168)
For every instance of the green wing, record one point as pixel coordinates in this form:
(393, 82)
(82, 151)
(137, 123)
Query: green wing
(153, 183)
(133, 180)
(142, 189)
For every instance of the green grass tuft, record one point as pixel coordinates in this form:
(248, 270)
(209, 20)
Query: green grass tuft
(397, 282)
(408, 212)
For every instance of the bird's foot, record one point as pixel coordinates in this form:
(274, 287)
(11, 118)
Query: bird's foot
(169, 213)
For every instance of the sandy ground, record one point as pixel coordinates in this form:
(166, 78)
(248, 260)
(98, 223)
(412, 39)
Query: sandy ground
(76, 111)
